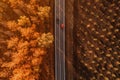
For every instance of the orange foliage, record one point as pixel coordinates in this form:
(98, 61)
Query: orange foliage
(24, 46)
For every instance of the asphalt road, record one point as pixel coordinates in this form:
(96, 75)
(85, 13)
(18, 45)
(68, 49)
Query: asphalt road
(59, 40)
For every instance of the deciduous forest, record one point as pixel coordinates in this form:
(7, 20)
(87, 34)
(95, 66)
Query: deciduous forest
(26, 40)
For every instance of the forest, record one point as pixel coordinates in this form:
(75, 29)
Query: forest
(26, 40)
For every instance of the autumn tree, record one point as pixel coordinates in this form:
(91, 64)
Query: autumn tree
(30, 40)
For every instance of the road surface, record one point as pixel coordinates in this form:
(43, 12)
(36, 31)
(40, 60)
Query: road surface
(59, 40)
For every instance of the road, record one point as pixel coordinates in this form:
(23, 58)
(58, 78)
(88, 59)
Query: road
(59, 40)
